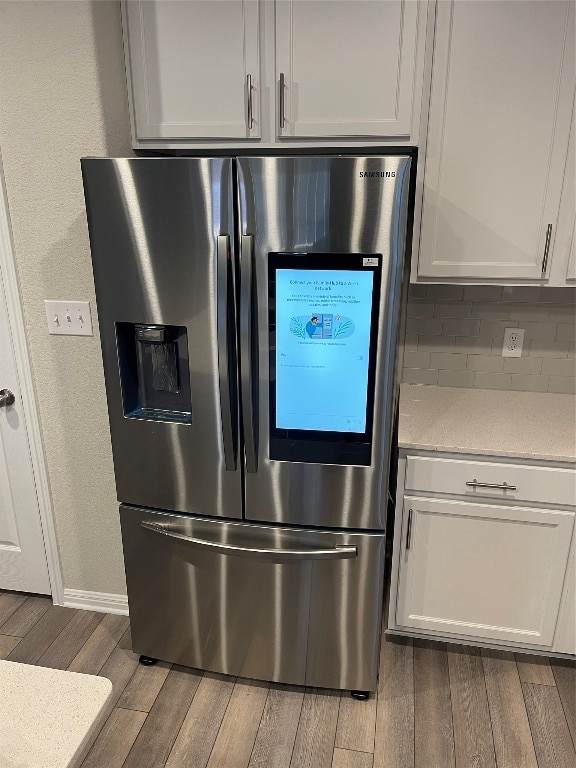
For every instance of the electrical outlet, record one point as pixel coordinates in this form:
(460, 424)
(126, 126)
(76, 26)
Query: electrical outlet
(513, 340)
(68, 318)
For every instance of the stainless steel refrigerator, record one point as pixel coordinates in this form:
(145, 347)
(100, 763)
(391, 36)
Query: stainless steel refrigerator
(249, 311)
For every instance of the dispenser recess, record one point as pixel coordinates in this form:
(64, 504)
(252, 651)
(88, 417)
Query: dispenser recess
(154, 372)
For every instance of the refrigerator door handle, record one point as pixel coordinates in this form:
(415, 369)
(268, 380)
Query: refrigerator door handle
(225, 322)
(331, 553)
(248, 351)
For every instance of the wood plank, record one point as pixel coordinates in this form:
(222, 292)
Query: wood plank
(552, 740)
(42, 635)
(7, 645)
(119, 669)
(356, 724)
(199, 730)
(26, 616)
(69, 642)
(394, 742)
(347, 758)
(277, 732)
(534, 669)
(565, 677)
(126, 640)
(314, 745)
(115, 740)
(157, 736)
(9, 603)
(144, 687)
(473, 742)
(433, 734)
(512, 738)
(99, 645)
(237, 734)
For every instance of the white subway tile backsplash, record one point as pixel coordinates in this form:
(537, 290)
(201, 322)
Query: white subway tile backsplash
(445, 292)
(483, 292)
(566, 332)
(525, 383)
(559, 295)
(528, 365)
(539, 331)
(494, 329)
(492, 380)
(455, 379)
(561, 313)
(486, 363)
(529, 294)
(532, 313)
(455, 336)
(490, 311)
(461, 327)
(453, 309)
(547, 348)
(431, 326)
(420, 309)
(436, 343)
(419, 376)
(473, 345)
(447, 361)
(562, 385)
(417, 360)
(410, 342)
(559, 367)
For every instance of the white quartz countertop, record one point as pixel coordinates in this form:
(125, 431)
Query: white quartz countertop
(528, 425)
(48, 717)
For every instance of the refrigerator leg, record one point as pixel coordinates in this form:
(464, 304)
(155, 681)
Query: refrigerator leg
(360, 695)
(148, 661)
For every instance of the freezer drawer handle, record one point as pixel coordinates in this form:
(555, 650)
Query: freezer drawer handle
(333, 553)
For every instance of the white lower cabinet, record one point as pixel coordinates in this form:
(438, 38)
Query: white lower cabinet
(485, 551)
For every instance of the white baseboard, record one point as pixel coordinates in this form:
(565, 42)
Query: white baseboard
(103, 602)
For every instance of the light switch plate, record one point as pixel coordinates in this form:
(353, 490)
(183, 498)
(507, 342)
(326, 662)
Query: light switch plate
(68, 318)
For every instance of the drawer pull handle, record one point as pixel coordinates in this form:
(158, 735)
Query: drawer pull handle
(504, 486)
(332, 553)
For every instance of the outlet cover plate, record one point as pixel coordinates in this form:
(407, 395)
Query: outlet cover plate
(513, 341)
(68, 318)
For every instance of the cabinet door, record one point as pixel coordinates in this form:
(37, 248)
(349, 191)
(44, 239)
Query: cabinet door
(501, 100)
(563, 257)
(482, 571)
(347, 67)
(190, 66)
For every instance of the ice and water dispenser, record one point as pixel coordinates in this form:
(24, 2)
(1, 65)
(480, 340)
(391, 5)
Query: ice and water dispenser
(154, 372)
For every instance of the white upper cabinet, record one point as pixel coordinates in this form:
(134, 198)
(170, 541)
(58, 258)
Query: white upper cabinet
(563, 256)
(346, 68)
(193, 68)
(500, 111)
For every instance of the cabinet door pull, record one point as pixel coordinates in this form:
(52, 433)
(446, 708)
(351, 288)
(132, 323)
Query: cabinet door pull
(409, 529)
(282, 88)
(504, 486)
(546, 248)
(249, 89)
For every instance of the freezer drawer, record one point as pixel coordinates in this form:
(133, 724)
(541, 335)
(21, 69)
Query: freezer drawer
(288, 605)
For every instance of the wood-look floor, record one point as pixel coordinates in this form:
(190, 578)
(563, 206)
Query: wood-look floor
(436, 706)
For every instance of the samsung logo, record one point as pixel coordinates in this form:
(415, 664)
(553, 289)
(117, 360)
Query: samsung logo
(377, 174)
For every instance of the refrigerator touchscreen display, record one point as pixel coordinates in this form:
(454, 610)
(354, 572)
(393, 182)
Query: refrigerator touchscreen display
(323, 323)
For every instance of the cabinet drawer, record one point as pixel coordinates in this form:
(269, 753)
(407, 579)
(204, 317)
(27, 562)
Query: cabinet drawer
(537, 484)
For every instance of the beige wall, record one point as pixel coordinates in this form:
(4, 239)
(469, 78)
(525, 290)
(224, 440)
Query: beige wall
(62, 96)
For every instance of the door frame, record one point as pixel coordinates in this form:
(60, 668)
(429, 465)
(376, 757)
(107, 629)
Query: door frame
(10, 292)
